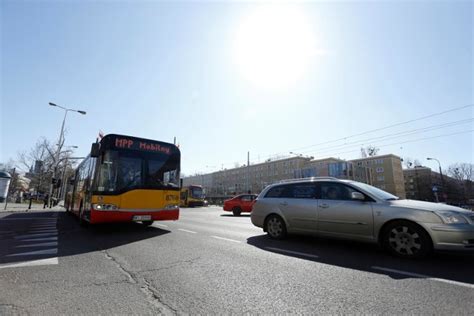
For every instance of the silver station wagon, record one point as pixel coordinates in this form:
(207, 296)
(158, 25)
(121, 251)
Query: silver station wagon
(357, 211)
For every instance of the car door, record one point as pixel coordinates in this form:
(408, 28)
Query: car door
(340, 215)
(298, 203)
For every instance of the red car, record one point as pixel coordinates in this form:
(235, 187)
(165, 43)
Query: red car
(240, 203)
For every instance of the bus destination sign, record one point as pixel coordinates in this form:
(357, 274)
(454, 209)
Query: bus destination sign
(141, 145)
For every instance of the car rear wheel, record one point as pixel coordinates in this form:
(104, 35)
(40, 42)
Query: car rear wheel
(275, 227)
(236, 210)
(406, 239)
(147, 223)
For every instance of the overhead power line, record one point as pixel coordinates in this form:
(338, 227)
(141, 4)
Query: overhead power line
(406, 142)
(387, 127)
(410, 132)
(391, 136)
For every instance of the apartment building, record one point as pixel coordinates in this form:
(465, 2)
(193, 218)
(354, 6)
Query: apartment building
(421, 183)
(387, 173)
(257, 176)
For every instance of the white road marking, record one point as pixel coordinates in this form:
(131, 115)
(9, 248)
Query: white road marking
(161, 225)
(41, 239)
(43, 244)
(38, 252)
(416, 275)
(292, 252)
(34, 235)
(44, 224)
(187, 231)
(28, 218)
(42, 262)
(228, 239)
(44, 230)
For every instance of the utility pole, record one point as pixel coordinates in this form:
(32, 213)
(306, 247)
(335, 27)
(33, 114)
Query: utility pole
(248, 171)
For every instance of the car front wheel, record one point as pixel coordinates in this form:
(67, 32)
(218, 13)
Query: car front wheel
(275, 227)
(406, 239)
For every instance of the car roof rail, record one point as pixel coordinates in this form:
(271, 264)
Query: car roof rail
(307, 179)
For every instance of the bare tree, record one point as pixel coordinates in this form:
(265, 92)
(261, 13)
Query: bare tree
(372, 151)
(408, 162)
(462, 171)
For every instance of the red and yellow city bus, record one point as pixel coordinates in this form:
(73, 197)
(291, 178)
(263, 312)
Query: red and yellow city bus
(127, 179)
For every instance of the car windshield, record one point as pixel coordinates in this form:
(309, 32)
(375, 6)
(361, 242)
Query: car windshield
(130, 170)
(376, 192)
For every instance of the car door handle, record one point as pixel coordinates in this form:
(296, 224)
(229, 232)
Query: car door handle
(283, 204)
(323, 205)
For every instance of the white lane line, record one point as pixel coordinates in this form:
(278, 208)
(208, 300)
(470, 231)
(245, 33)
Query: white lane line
(228, 239)
(161, 225)
(44, 230)
(416, 275)
(28, 218)
(35, 235)
(32, 263)
(187, 231)
(43, 244)
(52, 251)
(292, 252)
(45, 224)
(41, 239)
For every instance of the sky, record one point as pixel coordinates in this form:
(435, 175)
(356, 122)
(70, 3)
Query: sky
(228, 78)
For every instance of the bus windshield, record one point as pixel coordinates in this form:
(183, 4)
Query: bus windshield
(196, 192)
(121, 171)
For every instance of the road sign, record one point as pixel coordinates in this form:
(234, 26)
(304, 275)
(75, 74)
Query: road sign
(435, 188)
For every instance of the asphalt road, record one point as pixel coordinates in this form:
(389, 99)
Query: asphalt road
(210, 262)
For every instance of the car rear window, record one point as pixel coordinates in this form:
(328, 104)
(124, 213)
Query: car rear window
(293, 191)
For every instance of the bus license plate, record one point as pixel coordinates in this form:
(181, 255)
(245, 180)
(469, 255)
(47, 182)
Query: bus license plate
(142, 217)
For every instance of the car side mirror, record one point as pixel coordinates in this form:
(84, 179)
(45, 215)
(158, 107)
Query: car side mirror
(357, 196)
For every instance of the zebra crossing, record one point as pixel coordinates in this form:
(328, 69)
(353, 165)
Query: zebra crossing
(31, 241)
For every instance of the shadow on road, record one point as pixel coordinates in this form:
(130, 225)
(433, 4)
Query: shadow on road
(69, 239)
(232, 215)
(370, 258)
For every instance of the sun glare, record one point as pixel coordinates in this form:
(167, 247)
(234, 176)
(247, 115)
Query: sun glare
(273, 46)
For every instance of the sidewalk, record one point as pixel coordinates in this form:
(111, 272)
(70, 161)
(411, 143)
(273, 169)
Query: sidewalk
(23, 207)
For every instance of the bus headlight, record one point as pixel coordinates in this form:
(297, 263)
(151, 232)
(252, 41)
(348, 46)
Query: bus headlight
(171, 206)
(104, 207)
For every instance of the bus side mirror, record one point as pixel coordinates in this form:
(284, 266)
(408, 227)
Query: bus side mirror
(95, 150)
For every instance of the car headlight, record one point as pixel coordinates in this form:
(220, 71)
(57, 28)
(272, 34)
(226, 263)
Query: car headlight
(104, 207)
(452, 218)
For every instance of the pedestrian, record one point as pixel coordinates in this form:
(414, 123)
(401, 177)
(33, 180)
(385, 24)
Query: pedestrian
(45, 200)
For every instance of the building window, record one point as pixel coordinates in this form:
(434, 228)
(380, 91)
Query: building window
(379, 169)
(412, 186)
(380, 178)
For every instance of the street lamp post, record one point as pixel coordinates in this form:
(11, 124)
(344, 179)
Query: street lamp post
(60, 143)
(62, 192)
(442, 178)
